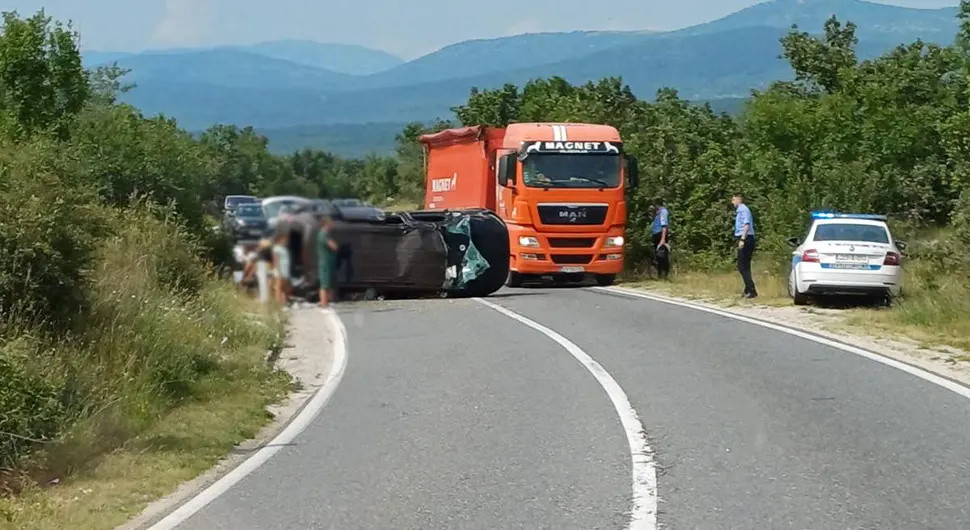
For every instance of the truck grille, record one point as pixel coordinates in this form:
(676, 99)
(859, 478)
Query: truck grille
(572, 214)
(572, 242)
(571, 259)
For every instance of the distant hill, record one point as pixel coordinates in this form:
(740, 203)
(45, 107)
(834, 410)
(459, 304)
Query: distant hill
(342, 58)
(477, 57)
(876, 21)
(354, 140)
(286, 84)
(229, 68)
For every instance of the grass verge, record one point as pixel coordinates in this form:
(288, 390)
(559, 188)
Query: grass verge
(162, 371)
(933, 310)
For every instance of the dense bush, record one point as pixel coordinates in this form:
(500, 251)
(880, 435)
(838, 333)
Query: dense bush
(109, 312)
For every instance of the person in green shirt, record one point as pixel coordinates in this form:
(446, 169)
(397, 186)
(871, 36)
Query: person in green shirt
(326, 254)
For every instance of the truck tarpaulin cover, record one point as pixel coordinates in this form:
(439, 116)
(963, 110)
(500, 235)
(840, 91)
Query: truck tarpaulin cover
(462, 252)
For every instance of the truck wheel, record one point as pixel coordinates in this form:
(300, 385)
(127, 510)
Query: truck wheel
(514, 279)
(605, 280)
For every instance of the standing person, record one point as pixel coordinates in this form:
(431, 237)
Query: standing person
(264, 260)
(744, 232)
(326, 252)
(661, 233)
(281, 268)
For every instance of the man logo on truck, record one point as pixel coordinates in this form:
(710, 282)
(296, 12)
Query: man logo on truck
(572, 215)
(445, 184)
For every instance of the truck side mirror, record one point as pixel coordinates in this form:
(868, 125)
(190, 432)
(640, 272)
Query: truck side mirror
(506, 170)
(632, 172)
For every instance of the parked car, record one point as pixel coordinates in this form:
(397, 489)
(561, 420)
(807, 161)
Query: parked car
(846, 254)
(247, 222)
(231, 201)
(274, 206)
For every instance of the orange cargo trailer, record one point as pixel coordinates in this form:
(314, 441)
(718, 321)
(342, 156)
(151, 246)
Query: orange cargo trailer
(559, 187)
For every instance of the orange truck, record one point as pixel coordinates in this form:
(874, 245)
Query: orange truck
(559, 187)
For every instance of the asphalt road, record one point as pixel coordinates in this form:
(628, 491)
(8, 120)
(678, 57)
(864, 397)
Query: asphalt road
(453, 416)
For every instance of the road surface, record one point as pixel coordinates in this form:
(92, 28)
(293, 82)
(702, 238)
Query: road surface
(452, 415)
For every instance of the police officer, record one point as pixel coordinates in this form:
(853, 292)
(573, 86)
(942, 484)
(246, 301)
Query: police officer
(661, 233)
(744, 232)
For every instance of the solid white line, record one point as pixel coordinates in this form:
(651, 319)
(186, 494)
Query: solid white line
(563, 130)
(555, 133)
(298, 425)
(643, 515)
(899, 365)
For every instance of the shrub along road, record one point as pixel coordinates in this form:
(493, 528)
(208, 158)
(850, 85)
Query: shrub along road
(451, 414)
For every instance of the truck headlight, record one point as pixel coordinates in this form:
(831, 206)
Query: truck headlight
(614, 241)
(526, 241)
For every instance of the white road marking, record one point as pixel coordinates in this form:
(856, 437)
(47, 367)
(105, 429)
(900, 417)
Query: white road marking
(298, 425)
(643, 515)
(899, 365)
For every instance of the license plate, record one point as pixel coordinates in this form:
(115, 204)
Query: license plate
(851, 257)
(849, 266)
(572, 269)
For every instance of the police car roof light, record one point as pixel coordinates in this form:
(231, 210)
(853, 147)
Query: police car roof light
(833, 215)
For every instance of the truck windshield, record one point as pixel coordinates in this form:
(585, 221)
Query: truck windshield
(571, 171)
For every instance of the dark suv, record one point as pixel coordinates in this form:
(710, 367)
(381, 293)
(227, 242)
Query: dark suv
(246, 222)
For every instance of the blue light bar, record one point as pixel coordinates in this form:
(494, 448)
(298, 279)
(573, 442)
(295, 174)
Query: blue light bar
(833, 215)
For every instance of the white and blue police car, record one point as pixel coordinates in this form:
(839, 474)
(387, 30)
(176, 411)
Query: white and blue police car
(846, 254)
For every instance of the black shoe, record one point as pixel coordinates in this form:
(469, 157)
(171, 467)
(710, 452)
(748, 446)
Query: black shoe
(750, 295)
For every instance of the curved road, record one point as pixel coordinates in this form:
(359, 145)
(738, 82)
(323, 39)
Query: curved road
(452, 415)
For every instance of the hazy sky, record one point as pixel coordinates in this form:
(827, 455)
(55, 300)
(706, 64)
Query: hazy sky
(407, 28)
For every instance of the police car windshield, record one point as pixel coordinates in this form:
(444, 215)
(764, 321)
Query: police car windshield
(851, 232)
(571, 171)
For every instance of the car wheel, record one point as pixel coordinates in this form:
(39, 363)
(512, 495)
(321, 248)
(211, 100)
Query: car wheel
(797, 297)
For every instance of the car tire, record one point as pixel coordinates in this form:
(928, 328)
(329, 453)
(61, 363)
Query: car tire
(797, 297)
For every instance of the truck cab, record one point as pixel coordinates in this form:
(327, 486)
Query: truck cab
(560, 188)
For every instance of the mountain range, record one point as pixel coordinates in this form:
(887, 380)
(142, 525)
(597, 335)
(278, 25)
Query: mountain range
(303, 93)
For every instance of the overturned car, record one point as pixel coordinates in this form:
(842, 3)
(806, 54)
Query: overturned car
(454, 253)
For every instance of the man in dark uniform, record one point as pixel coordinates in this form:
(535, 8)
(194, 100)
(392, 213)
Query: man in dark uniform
(661, 234)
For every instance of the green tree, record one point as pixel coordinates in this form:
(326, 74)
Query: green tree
(42, 82)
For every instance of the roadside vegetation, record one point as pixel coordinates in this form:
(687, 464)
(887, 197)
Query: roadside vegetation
(126, 364)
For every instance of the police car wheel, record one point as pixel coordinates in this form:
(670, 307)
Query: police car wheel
(797, 298)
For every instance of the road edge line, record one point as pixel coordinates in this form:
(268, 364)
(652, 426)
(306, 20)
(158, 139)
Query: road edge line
(910, 369)
(297, 425)
(643, 515)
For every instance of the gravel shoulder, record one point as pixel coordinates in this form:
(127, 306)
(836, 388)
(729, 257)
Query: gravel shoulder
(834, 324)
(307, 357)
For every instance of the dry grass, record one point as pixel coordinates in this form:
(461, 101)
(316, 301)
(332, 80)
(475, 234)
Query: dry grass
(182, 445)
(935, 309)
(163, 373)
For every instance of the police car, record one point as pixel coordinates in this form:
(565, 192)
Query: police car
(846, 254)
